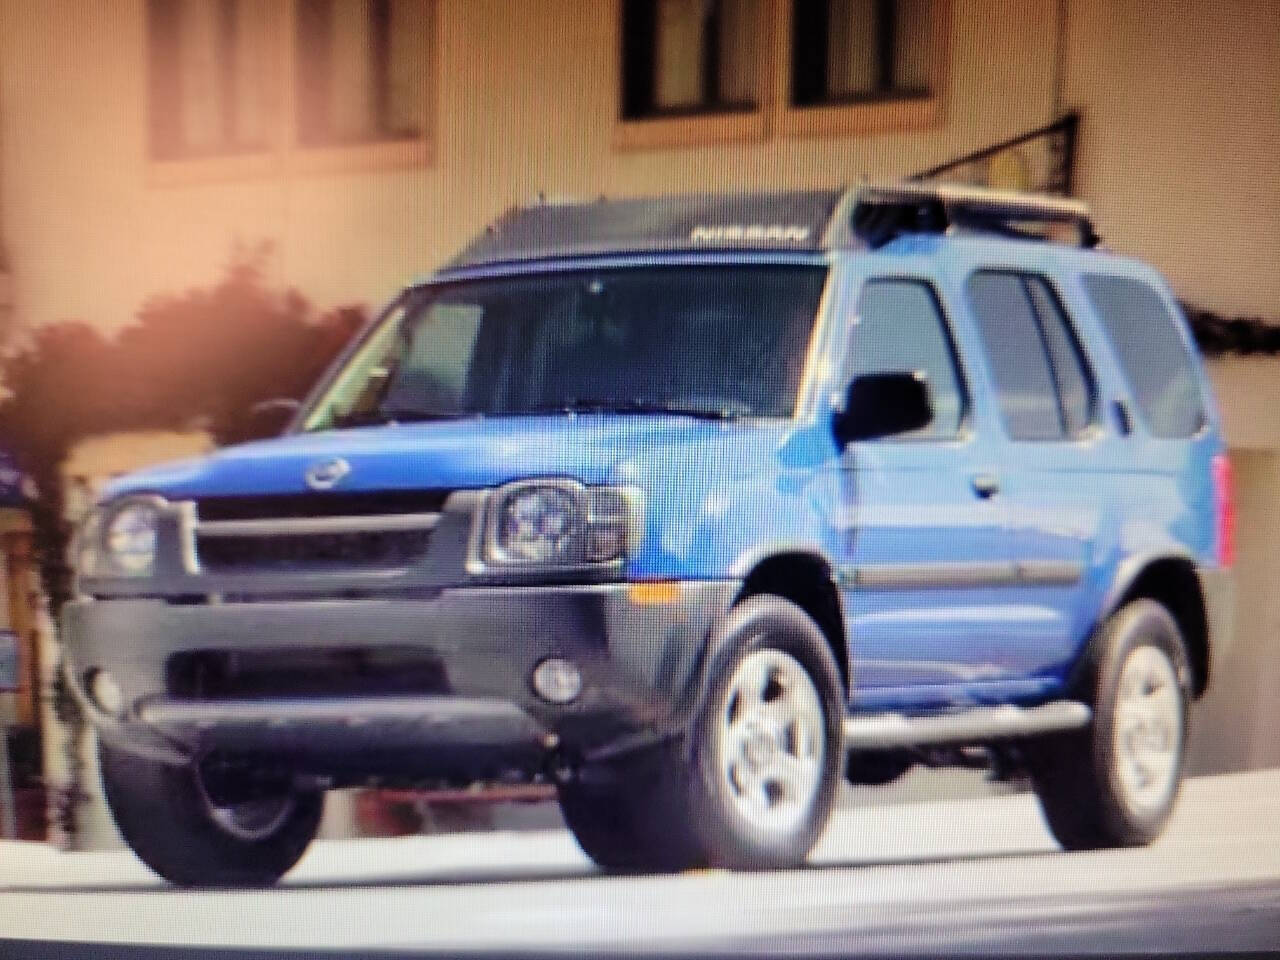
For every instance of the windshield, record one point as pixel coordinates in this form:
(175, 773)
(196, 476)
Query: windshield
(714, 341)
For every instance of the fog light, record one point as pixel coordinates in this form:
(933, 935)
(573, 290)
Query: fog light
(106, 693)
(557, 681)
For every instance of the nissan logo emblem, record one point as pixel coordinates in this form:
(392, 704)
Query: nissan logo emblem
(326, 474)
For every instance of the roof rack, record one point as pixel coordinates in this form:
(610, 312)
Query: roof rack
(881, 213)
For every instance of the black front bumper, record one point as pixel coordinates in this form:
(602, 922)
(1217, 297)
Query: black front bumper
(641, 663)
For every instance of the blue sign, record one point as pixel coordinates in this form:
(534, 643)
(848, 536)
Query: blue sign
(11, 480)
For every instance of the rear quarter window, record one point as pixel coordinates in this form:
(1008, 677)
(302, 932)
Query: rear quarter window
(1152, 352)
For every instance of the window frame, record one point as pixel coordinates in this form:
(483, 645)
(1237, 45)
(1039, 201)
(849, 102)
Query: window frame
(965, 427)
(694, 128)
(713, 102)
(775, 117)
(285, 154)
(1088, 369)
(164, 126)
(872, 115)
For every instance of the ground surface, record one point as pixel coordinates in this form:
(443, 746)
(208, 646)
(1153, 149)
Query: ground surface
(961, 875)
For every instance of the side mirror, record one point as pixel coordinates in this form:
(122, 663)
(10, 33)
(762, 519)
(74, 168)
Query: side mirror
(268, 418)
(883, 405)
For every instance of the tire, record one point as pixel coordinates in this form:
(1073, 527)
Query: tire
(1090, 783)
(751, 782)
(600, 810)
(166, 818)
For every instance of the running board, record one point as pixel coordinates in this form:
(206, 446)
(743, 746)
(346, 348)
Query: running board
(878, 731)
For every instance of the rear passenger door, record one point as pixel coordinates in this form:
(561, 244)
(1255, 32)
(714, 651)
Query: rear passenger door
(1056, 478)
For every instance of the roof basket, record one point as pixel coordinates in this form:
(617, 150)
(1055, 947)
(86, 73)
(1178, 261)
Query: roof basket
(881, 213)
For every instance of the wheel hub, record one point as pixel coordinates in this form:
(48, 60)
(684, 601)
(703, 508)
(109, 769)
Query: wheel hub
(1148, 729)
(250, 818)
(771, 741)
(760, 747)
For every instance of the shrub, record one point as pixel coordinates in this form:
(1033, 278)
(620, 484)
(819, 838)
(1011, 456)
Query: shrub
(198, 358)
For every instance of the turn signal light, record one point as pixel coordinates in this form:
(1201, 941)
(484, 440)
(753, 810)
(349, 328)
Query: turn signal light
(655, 593)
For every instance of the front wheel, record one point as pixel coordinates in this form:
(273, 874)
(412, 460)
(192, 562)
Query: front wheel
(751, 783)
(191, 838)
(1114, 784)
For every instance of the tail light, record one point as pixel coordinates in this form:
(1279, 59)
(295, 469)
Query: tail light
(1224, 509)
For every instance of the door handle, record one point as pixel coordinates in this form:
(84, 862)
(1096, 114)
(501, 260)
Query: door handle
(985, 485)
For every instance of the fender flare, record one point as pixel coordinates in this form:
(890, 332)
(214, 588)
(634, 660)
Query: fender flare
(1131, 568)
(1193, 616)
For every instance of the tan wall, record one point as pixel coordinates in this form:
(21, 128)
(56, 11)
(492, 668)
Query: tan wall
(1248, 393)
(1234, 725)
(1181, 139)
(527, 105)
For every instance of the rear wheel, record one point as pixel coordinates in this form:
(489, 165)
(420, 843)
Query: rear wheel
(751, 783)
(1114, 784)
(194, 836)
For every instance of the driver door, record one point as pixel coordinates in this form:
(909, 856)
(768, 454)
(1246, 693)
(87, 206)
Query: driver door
(929, 590)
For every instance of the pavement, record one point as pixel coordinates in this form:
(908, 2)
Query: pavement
(970, 875)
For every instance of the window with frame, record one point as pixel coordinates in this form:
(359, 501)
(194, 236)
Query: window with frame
(210, 77)
(900, 328)
(1153, 353)
(361, 70)
(689, 57)
(1044, 388)
(862, 51)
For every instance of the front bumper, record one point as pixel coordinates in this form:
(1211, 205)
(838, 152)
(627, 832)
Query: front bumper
(641, 663)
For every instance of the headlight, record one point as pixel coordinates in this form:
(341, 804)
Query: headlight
(118, 540)
(562, 522)
(130, 537)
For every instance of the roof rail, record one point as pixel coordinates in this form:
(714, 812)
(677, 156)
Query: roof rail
(881, 213)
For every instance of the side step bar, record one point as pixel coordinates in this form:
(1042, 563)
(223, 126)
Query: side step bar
(879, 731)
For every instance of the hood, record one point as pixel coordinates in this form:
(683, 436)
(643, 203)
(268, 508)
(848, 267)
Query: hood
(473, 453)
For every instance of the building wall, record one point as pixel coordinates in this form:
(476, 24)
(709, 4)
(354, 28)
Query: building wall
(1182, 127)
(1181, 137)
(526, 104)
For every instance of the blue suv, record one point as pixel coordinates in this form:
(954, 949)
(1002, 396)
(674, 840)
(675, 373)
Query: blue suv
(690, 507)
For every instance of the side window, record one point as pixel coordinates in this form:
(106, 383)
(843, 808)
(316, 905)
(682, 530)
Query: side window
(900, 327)
(1043, 386)
(1075, 389)
(1152, 353)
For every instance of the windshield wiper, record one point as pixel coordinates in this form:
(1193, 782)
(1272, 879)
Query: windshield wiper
(641, 407)
(386, 415)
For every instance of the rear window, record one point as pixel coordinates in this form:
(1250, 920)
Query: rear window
(1151, 350)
